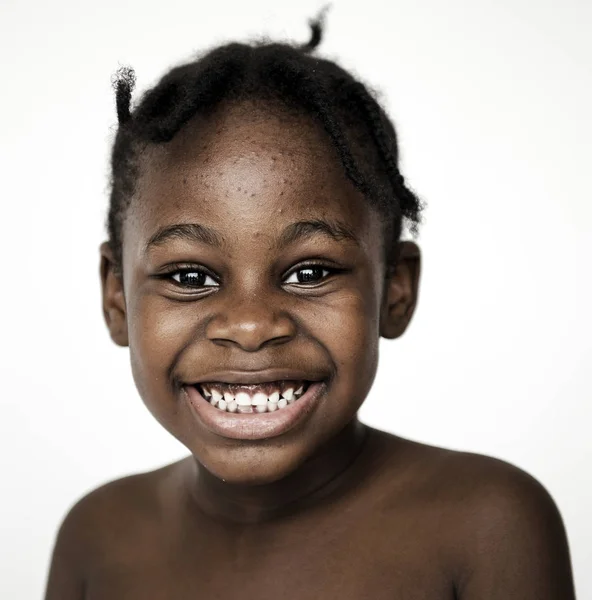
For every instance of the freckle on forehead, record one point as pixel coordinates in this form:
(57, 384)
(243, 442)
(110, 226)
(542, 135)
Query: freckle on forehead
(264, 171)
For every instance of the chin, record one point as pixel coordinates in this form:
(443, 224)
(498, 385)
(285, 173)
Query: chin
(252, 465)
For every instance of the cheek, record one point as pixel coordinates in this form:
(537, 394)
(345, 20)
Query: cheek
(348, 326)
(157, 333)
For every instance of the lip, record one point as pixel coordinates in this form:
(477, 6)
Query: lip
(254, 426)
(253, 377)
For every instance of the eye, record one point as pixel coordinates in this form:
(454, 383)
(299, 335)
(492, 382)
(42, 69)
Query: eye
(193, 278)
(309, 274)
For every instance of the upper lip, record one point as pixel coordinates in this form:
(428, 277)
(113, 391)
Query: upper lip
(251, 377)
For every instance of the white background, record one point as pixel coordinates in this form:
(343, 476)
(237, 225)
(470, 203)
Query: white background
(492, 100)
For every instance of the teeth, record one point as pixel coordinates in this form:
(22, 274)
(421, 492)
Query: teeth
(244, 402)
(259, 399)
(242, 399)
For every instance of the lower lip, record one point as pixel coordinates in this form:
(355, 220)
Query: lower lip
(255, 426)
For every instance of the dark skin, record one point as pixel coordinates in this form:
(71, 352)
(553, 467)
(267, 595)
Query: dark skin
(331, 509)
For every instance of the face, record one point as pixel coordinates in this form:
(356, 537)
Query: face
(250, 258)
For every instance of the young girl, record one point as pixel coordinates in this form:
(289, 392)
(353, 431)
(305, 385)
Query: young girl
(253, 262)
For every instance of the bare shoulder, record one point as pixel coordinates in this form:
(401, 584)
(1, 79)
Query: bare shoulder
(479, 486)
(119, 504)
(103, 523)
(514, 539)
(499, 525)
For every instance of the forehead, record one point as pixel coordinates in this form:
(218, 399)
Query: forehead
(246, 167)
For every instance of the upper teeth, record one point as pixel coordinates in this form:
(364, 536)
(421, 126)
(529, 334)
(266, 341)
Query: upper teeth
(232, 396)
(242, 398)
(259, 398)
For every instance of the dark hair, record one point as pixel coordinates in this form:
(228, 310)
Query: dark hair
(358, 127)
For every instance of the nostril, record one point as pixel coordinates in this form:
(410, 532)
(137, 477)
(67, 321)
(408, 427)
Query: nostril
(251, 326)
(251, 341)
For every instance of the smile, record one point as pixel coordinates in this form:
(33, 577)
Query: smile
(250, 398)
(254, 410)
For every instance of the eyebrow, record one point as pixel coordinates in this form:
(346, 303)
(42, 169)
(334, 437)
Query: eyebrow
(306, 229)
(194, 232)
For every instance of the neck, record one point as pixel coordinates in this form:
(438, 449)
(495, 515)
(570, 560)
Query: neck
(309, 483)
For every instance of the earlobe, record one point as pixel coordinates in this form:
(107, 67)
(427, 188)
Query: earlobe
(114, 308)
(400, 291)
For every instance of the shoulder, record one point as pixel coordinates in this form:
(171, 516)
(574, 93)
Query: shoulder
(122, 504)
(486, 487)
(512, 538)
(104, 521)
(496, 499)
(499, 525)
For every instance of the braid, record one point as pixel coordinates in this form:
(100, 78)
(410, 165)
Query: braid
(166, 109)
(408, 203)
(262, 72)
(312, 94)
(124, 83)
(316, 26)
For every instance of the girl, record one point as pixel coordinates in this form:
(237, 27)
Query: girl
(254, 260)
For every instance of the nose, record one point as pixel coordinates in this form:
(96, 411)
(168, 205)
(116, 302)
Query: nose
(251, 323)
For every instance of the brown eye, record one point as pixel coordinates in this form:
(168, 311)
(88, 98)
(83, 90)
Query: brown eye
(192, 278)
(309, 274)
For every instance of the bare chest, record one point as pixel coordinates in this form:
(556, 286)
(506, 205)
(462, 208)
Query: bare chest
(334, 562)
(268, 586)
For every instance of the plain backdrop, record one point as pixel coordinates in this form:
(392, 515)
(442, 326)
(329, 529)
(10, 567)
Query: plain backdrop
(492, 100)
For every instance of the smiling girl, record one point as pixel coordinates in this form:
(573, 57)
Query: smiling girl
(254, 260)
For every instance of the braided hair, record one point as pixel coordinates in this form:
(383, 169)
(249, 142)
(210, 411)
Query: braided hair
(357, 126)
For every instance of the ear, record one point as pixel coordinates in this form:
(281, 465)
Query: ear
(114, 309)
(400, 291)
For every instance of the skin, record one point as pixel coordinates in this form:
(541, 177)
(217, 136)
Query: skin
(332, 508)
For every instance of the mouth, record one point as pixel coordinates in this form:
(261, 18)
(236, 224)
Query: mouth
(254, 411)
(252, 398)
